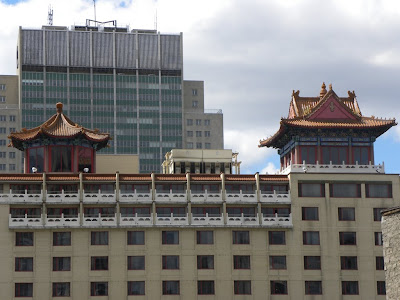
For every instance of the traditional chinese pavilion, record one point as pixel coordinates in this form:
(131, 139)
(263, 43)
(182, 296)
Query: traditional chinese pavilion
(59, 145)
(326, 130)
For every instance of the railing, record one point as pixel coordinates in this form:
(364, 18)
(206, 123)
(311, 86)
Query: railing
(62, 221)
(242, 220)
(99, 197)
(205, 197)
(171, 196)
(275, 197)
(136, 220)
(62, 197)
(212, 220)
(333, 168)
(24, 221)
(135, 197)
(241, 197)
(99, 221)
(172, 219)
(277, 220)
(21, 197)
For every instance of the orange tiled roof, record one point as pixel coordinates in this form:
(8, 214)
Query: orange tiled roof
(58, 126)
(21, 177)
(171, 177)
(205, 177)
(135, 177)
(99, 177)
(239, 177)
(274, 178)
(62, 177)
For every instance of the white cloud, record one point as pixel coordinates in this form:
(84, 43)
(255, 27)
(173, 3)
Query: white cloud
(270, 168)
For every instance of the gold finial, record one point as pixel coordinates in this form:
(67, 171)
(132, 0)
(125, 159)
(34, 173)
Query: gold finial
(330, 86)
(59, 107)
(323, 90)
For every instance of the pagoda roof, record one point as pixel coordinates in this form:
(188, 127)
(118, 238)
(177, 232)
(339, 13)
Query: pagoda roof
(59, 126)
(325, 112)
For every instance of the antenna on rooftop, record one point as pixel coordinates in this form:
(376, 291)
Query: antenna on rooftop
(155, 21)
(94, 6)
(50, 16)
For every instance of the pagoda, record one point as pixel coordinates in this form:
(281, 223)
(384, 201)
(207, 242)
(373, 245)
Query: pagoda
(326, 130)
(59, 145)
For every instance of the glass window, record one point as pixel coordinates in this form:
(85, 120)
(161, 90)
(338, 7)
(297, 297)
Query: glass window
(349, 287)
(167, 211)
(310, 213)
(308, 154)
(205, 261)
(133, 211)
(345, 190)
(207, 122)
(360, 155)
(24, 290)
(198, 133)
(96, 211)
(61, 159)
(30, 212)
(198, 122)
(347, 214)
(381, 287)
(276, 237)
(136, 288)
(271, 211)
(11, 167)
(24, 239)
(170, 287)
(36, 159)
(378, 190)
(377, 214)
(61, 289)
(68, 212)
(189, 133)
(347, 238)
(204, 211)
(241, 237)
(205, 287)
(207, 145)
(335, 155)
(205, 237)
(12, 118)
(136, 262)
(311, 190)
(61, 263)
(170, 237)
(207, 133)
(310, 237)
(189, 145)
(348, 262)
(195, 103)
(99, 263)
(61, 238)
(279, 287)
(312, 262)
(99, 289)
(313, 287)
(170, 262)
(85, 159)
(238, 211)
(241, 262)
(135, 237)
(199, 145)
(99, 238)
(242, 287)
(24, 264)
(277, 262)
(189, 122)
(11, 154)
(379, 261)
(194, 92)
(378, 239)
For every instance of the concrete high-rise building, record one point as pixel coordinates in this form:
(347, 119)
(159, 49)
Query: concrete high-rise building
(126, 83)
(10, 121)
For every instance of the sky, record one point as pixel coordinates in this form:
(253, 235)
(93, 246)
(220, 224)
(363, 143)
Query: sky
(252, 54)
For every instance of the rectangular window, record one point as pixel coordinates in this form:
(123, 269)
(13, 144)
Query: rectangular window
(99, 263)
(347, 214)
(308, 154)
(310, 213)
(170, 237)
(135, 237)
(242, 287)
(240, 237)
(348, 262)
(170, 287)
(381, 288)
(3, 118)
(195, 103)
(198, 133)
(24, 264)
(61, 238)
(311, 190)
(207, 133)
(310, 237)
(313, 287)
(12, 129)
(2, 129)
(24, 239)
(3, 142)
(99, 289)
(312, 262)
(199, 145)
(277, 262)
(198, 122)
(377, 214)
(361, 155)
(189, 122)
(189, 145)
(347, 238)
(378, 190)
(207, 122)
(2, 166)
(349, 287)
(170, 262)
(378, 239)
(24, 290)
(11, 167)
(379, 261)
(189, 133)
(205, 237)
(345, 190)
(207, 145)
(205, 261)
(194, 92)
(136, 262)
(2, 87)
(279, 287)
(61, 159)
(136, 288)
(12, 118)
(61, 289)
(241, 262)
(99, 238)
(276, 238)
(61, 263)
(205, 287)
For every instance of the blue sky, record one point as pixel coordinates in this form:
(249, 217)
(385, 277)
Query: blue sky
(252, 54)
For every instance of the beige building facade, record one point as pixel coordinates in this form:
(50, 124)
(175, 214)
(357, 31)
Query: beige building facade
(122, 163)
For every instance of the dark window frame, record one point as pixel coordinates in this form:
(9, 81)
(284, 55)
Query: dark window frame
(309, 240)
(209, 259)
(342, 240)
(301, 189)
(348, 263)
(131, 240)
(381, 288)
(18, 289)
(23, 264)
(309, 288)
(308, 264)
(242, 287)
(378, 236)
(306, 217)
(56, 263)
(65, 289)
(273, 235)
(342, 216)
(203, 234)
(202, 290)
(94, 286)
(332, 190)
(379, 263)
(275, 265)
(22, 239)
(131, 289)
(132, 265)
(166, 239)
(275, 290)
(165, 290)
(97, 240)
(377, 213)
(348, 286)
(166, 264)
(241, 262)
(62, 238)
(240, 237)
(99, 263)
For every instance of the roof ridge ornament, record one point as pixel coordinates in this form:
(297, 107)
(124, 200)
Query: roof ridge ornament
(59, 107)
(323, 91)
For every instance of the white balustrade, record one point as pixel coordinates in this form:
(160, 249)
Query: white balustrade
(21, 197)
(62, 197)
(205, 197)
(135, 196)
(242, 220)
(172, 219)
(334, 168)
(24, 221)
(171, 197)
(277, 220)
(212, 220)
(99, 221)
(136, 220)
(276, 197)
(99, 197)
(62, 221)
(241, 197)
